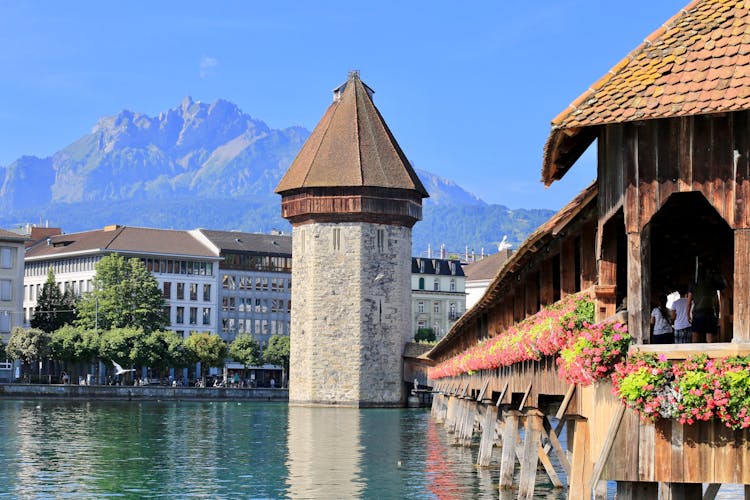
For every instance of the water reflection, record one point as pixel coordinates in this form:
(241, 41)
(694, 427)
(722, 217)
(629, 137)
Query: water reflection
(325, 453)
(71, 449)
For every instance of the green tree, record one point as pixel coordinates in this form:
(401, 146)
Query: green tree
(28, 345)
(125, 295)
(74, 344)
(164, 348)
(277, 352)
(177, 352)
(54, 308)
(424, 335)
(208, 348)
(246, 350)
(123, 345)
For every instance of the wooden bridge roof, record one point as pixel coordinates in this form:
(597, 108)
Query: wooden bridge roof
(533, 244)
(698, 62)
(351, 147)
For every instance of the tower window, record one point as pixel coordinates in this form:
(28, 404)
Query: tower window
(381, 240)
(337, 239)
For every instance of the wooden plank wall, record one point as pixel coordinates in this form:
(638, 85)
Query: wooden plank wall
(705, 452)
(643, 163)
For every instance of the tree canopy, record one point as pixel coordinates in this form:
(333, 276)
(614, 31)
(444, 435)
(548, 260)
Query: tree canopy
(125, 295)
(28, 344)
(246, 350)
(53, 307)
(74, 344)
(277, 351)
(208, 348)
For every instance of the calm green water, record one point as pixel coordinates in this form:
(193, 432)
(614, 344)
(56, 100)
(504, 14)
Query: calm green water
(71, 449)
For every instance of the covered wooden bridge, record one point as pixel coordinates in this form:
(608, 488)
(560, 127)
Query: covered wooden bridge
(671, 124)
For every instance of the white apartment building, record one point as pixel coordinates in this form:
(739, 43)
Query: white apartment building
(185, 269)
(438, 294)
(11, 292)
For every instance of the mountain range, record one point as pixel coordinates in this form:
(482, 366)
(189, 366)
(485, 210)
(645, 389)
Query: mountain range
(212, 166)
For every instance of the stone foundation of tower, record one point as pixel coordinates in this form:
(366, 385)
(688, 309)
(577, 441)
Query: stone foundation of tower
(350, 313)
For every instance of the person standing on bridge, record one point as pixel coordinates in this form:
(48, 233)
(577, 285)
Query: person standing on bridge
(661, 329)
(681, 317)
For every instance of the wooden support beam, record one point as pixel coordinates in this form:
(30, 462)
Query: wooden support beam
(508, 454)
(566, 401)
(530, 461)
(741, 309)
(711, 491)
(579, 481)
(548, 467)
(484, 456)
(554, 443)
(607, 446)
(480, 397)
(639, 285)
(525, 396)
(502, 394)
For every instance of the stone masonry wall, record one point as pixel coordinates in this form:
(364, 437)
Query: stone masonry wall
(350, 313)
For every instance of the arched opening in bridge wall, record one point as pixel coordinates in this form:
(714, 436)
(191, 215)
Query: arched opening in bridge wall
(687, 236)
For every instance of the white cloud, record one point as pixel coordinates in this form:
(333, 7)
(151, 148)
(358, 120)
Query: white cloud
(206, 66)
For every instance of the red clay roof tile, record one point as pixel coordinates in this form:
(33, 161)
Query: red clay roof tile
(687, 66)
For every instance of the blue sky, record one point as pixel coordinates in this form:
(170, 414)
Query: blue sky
(468, 88)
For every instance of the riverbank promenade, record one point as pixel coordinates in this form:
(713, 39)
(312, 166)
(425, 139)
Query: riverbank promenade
(144, 393)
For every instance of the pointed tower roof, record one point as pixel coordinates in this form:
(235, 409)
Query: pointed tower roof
(697, 63)
(351, 168)
(351, 147)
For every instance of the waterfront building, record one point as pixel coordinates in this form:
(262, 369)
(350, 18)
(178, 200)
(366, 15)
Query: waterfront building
(254, 282)
(438, 294)
(352, 198)
(480, 273)
(11, 292)
(185, 269)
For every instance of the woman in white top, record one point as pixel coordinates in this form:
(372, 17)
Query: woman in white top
(661, 329)
(681, 317)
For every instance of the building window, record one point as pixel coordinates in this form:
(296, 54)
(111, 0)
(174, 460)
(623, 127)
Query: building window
(337, 239)
(436, 307)
(206, 293)
(420, 306)
(6, 257)
(436, 285)
(167, 290)
(206, 315)
(180, 316)
(6, 290)
(453, 314)
(421, 283)
(193, 291)
(227, 282)
(193, 315)
(4, 322)
(453, 285)
(381, 240)
(180, 291)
